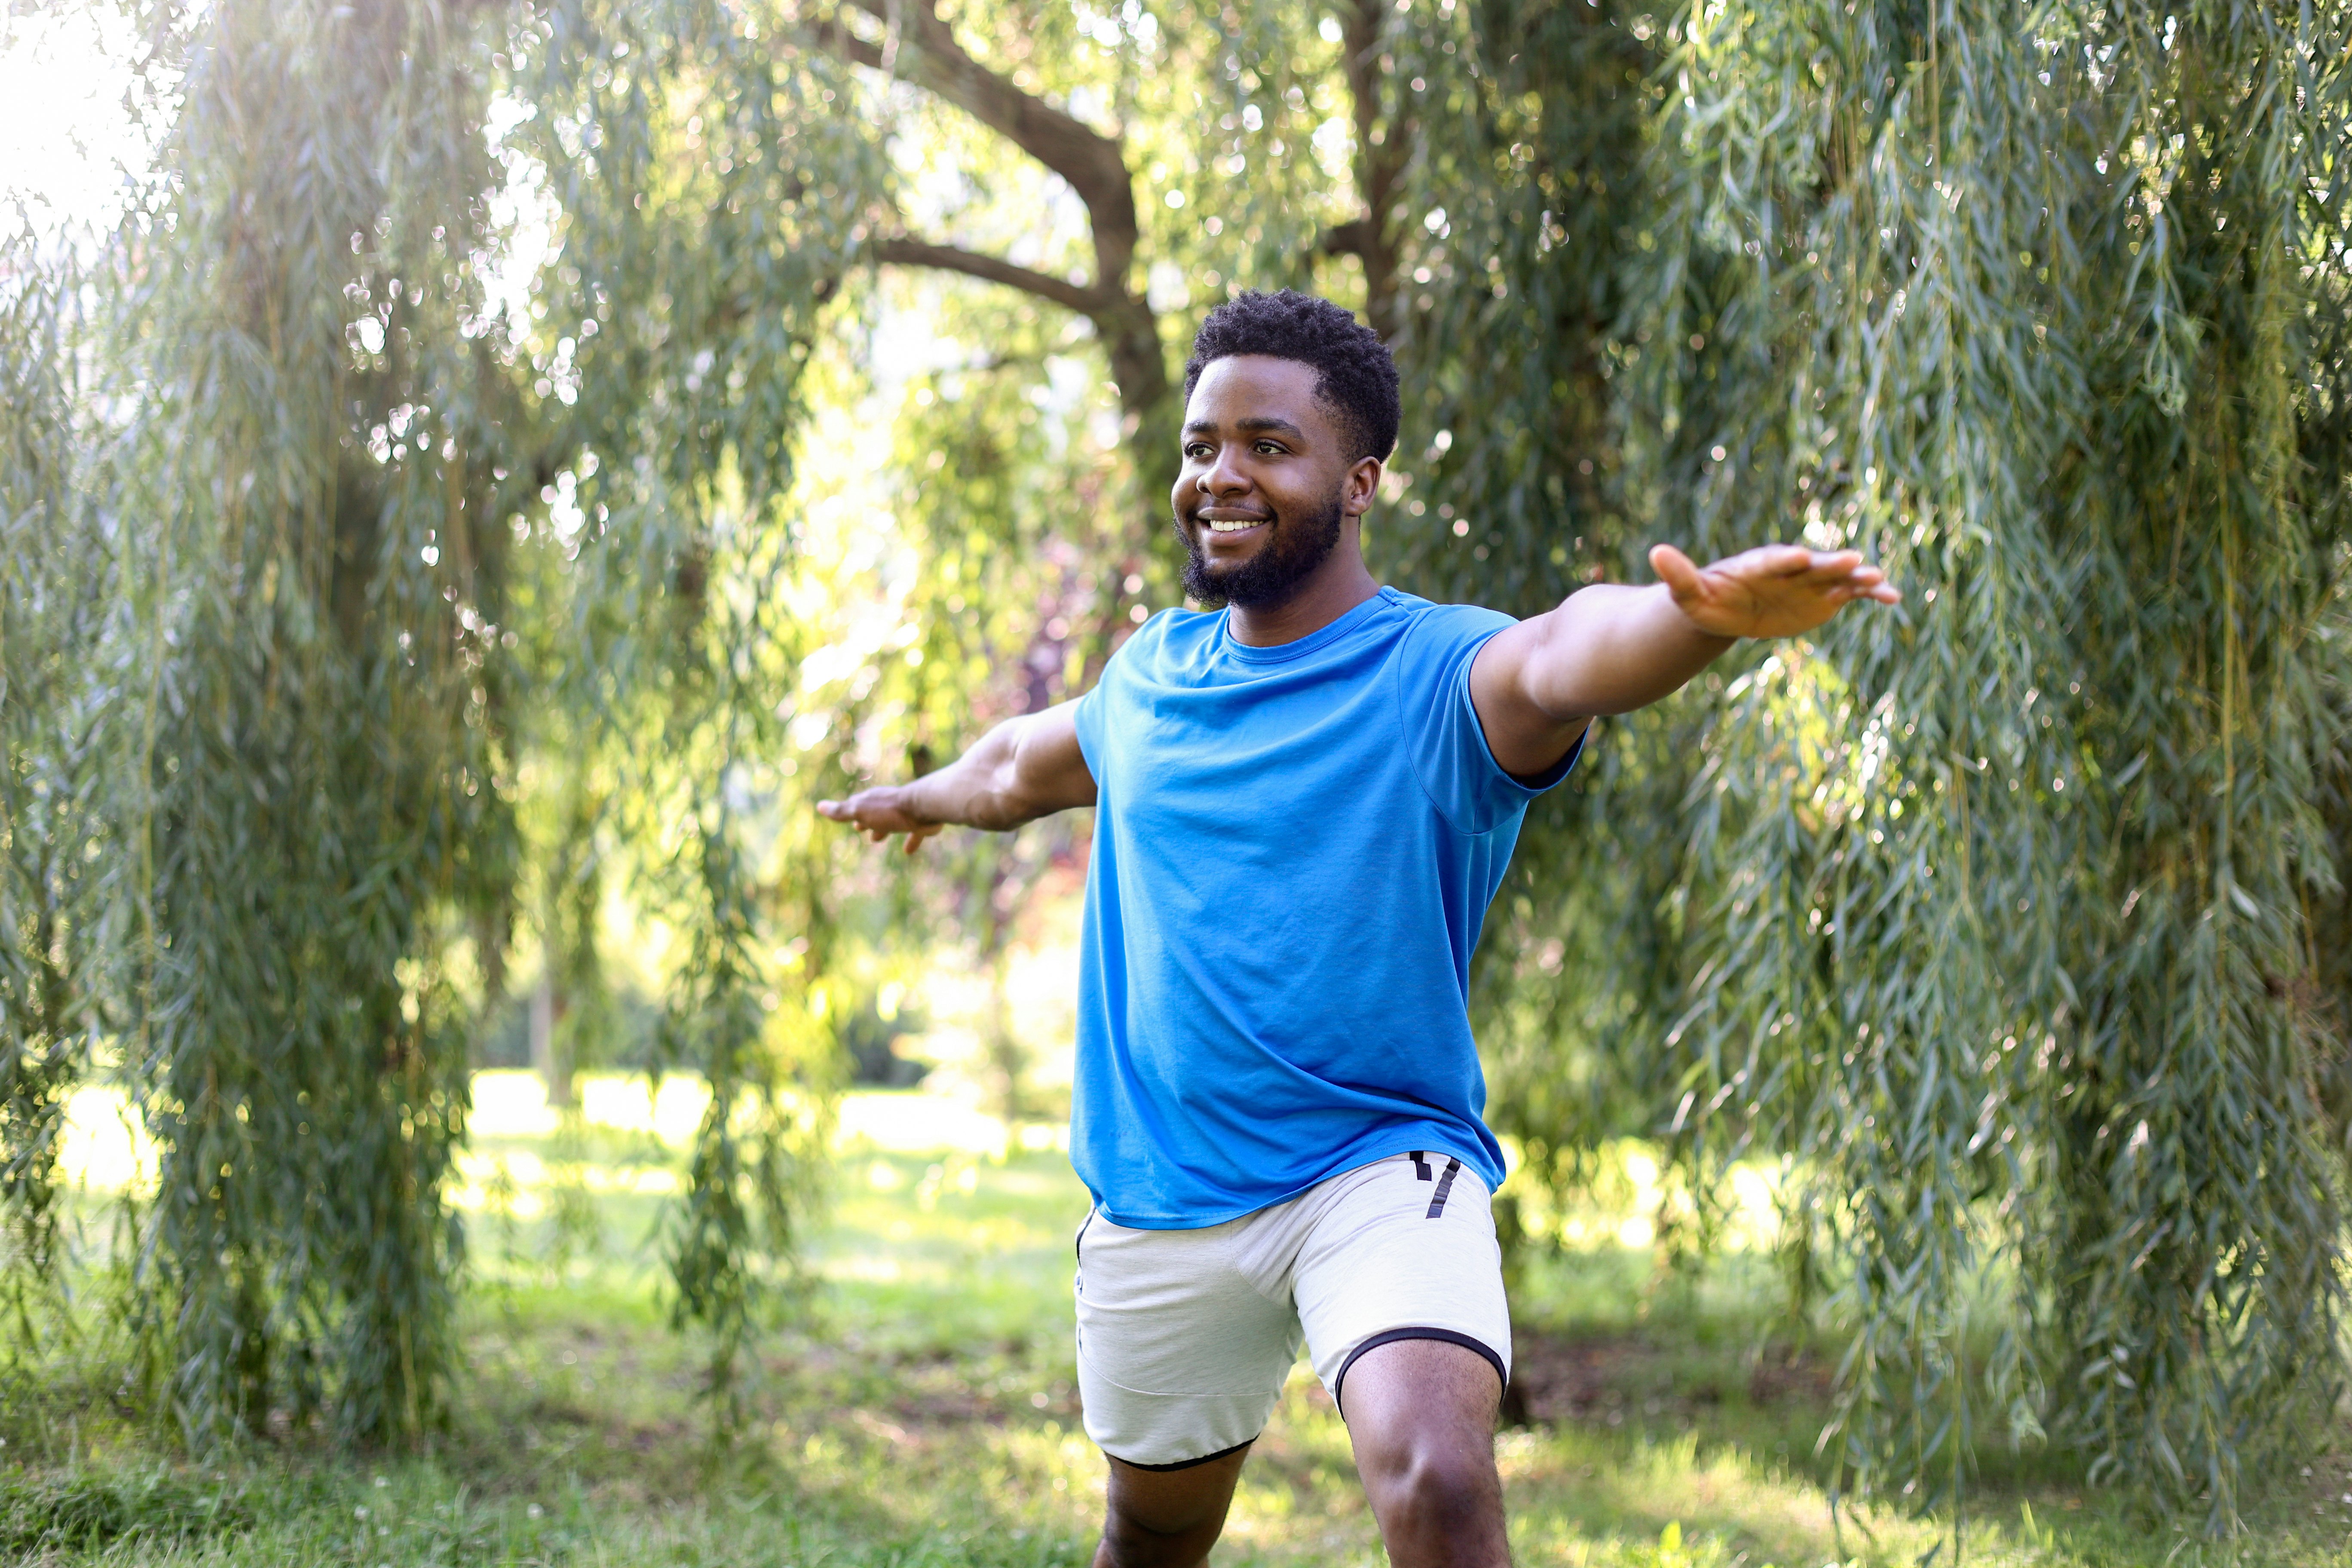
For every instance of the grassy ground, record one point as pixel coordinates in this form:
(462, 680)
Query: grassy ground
(924, 1414)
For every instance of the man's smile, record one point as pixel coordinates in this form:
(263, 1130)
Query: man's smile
(1222, 519)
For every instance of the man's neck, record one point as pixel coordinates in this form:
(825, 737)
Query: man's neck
(1338, 585)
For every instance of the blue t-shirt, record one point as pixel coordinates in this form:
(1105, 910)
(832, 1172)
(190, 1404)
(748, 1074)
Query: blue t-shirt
(1294, 848)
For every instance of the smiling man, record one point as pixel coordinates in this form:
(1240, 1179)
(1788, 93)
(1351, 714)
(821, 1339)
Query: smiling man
(1306, 795)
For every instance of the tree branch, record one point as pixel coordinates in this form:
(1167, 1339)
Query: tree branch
(841, 41)
(1094, 165)
(1091, 303)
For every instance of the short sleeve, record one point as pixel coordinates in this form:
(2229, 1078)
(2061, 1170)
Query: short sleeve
(1450, 754)
(1092, 713)
(1085, 714)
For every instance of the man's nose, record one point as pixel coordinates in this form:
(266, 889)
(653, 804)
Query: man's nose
(1223, 478)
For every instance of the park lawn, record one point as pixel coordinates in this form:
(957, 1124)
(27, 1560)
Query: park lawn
(920, 1411)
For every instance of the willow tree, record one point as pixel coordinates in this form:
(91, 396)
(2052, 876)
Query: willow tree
(310, 573)
(295, 479)
(1999, 914)
(53, 924)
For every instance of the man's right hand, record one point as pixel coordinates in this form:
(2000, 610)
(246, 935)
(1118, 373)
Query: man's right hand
(879, 813)
(1023, 769)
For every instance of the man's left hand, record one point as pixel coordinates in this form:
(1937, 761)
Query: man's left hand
(1773, 591)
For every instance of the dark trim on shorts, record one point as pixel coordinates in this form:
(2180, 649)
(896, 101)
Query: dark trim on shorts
(1444, 1185)
(1186, 1464)
(1391, 1336)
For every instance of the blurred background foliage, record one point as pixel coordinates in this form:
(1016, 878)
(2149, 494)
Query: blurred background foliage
(504, 459)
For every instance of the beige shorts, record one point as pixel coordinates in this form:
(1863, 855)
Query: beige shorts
(1185, 1337)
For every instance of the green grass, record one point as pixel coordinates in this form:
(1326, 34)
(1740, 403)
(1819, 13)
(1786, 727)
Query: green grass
(923, 1413)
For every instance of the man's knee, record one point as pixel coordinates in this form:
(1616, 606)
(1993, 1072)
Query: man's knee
(1145, 1524)
(1439, 1479)
(1131, 1543)
(1421, 1413)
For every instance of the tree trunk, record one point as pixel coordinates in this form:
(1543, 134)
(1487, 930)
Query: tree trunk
(1380, 165)
(549, 1058)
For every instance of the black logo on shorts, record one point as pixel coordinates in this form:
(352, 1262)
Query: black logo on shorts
(1444, 1182)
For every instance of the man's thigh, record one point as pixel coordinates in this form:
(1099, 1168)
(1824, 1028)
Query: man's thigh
(1403, 1250)
(1181, 1358)
(1399, 1285)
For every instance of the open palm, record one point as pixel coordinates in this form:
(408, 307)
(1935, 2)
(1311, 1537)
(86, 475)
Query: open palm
(1773, 591)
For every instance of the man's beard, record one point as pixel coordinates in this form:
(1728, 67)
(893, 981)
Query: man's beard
(1273, 576)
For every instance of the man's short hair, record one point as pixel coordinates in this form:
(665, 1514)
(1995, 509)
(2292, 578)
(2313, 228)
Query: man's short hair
(1356, 378)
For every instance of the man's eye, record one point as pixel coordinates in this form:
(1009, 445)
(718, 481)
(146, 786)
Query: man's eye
(1196, 449)
(1269, 448)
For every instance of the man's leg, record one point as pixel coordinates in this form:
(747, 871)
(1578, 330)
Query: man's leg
(1166, 1519)
(1422, 1415)
(1400, 1288)
(1170, 1312)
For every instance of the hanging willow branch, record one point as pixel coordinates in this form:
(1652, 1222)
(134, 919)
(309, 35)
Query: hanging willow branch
(1992, 914)
(308, 580)
(55, 579)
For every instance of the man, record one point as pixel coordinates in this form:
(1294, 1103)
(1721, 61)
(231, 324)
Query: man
(1304, 803)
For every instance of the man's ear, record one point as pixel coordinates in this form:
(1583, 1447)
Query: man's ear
(1364, 484)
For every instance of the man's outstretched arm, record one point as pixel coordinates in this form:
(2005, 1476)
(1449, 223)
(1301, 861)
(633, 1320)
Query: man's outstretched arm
(1025, 768)
(1611, 650)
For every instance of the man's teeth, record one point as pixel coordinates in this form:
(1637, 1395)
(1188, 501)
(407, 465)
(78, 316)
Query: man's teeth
(1233, 525)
